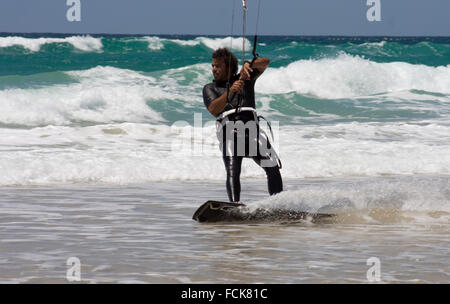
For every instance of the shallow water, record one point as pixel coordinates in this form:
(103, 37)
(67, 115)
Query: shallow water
(144, 234)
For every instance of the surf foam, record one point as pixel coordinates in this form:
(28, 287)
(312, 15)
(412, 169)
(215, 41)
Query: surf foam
(157, 43)
(349, 76)
(394, 200)
(133, 153)
(101, 94)
(82, 43)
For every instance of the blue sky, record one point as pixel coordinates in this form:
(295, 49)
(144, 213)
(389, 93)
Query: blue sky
(213, 17)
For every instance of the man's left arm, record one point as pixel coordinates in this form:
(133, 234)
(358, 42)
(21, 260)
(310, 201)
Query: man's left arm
(260, 65)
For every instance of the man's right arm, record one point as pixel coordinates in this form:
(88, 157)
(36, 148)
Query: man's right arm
(217, 105)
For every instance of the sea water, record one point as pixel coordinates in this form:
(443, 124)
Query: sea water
(107, 150)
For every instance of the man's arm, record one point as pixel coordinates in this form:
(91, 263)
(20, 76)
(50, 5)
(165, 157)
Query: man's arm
(218, 104)
(259, 64)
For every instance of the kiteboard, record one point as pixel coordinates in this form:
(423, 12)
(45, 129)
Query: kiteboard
(217, 211)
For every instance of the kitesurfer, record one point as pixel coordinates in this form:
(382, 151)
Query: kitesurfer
(231, 99)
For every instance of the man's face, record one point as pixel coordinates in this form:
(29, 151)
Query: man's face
(219, 69)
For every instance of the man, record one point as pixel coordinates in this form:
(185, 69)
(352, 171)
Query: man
(231, 99)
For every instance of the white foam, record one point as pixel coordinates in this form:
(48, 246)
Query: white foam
(104, 94)
(117, 154)
(234, 43)
(130, 152)
(423, 199)
(101, 94)
(185, 42)
(157, 43)
(107, 95)
(83, 43)
(373, 44)
(351, 76)
(360, 149)
(154, 43)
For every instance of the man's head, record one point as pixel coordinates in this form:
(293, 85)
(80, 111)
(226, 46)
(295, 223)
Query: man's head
(224, 64)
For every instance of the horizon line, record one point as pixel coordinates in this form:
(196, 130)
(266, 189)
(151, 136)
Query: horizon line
(224, 35)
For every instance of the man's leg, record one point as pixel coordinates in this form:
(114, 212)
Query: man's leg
(233, 168)
(274, 180)
(267, 159)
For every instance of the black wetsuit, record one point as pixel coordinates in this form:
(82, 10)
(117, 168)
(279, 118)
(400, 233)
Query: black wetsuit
(233, 160)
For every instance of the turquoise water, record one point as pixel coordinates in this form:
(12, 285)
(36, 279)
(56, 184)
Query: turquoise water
(122, 100)
(314, 72)
(166, 52)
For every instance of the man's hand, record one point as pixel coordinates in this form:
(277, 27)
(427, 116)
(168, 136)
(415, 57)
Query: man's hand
(245, 71)
(237, 86)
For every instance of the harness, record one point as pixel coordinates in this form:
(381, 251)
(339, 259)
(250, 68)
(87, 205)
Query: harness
(223, 118)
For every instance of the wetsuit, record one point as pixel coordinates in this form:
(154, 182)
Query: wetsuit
(232, 134)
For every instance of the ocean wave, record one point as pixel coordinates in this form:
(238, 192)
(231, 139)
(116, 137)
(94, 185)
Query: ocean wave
(98, 95)
(102, 95)
(233, 42)
(154, 43)
(91, 44)
(142, 152)
(348, 76)
(157, 43)
(82, 43)
(345, 87)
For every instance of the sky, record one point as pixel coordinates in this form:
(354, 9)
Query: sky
(214, 17)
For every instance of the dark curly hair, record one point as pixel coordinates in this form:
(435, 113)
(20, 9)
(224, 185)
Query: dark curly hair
(230, 60)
